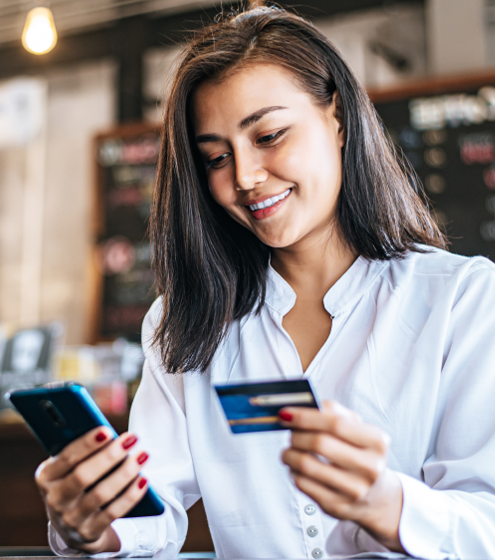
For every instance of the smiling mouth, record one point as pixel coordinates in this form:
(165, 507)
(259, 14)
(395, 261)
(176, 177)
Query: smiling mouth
(269, 201)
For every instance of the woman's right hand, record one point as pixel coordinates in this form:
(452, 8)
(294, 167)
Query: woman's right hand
(75, 504)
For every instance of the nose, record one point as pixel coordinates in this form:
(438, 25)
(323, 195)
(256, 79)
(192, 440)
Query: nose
(249, 171)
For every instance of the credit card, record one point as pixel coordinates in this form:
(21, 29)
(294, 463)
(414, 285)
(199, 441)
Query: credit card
(254, 407)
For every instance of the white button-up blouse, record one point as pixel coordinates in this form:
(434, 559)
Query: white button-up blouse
(411, 350)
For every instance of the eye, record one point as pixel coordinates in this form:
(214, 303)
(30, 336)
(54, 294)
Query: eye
(270, 138)
(217, 162)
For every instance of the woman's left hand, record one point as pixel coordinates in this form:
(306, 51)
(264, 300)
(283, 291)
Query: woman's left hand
(340, 462)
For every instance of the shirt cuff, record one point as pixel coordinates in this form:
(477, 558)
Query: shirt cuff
(125, 530)
(58, 545)
(425, 520)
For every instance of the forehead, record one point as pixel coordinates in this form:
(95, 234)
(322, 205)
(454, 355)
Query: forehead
(227, 101)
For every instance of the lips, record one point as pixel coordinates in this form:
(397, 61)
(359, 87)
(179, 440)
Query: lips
(262, 208)
(267, 202)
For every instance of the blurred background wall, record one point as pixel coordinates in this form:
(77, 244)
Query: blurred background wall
(45, 193)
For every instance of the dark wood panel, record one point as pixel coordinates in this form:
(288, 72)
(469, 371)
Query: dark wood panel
(198, 536)
(22, 515)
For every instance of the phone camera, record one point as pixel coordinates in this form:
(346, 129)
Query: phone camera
(53, 413)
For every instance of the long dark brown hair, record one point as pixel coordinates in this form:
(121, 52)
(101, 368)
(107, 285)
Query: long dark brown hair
(209, 269)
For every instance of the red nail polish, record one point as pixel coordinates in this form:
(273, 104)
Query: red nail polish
(142, 458)
(100, 436)
(284, 415)
(129, 442)
(142, 483)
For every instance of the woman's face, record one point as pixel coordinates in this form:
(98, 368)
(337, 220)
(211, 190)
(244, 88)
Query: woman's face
(273, 158)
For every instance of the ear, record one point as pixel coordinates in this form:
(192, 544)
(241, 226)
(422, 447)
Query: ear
(338, 113)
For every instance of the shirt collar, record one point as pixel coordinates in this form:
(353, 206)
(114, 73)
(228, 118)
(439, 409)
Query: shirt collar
(351, 286)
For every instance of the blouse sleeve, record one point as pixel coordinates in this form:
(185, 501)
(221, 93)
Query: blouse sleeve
(158, 419)
(452, 513)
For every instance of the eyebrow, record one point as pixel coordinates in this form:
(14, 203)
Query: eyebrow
(245, 123)
(256, 116)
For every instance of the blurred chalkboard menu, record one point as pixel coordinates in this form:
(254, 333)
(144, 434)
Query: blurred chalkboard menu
(126, 160)
(446, 128)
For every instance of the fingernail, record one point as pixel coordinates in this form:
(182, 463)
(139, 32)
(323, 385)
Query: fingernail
(100, 436)
(284, 415)
(129, 442)
(142, 458)
(142, 483)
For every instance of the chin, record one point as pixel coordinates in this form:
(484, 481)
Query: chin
(276, 237)
(278, 242)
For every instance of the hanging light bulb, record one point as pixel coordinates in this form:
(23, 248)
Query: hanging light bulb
(39, 35)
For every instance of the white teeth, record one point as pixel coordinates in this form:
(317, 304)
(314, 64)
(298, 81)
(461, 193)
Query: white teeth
(269, 201)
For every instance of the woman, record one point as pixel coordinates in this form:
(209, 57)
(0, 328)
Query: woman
(290, 241)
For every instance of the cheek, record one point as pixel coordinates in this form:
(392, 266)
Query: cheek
(221, 187)
(310, 160)
(290, 163)
(326, 165)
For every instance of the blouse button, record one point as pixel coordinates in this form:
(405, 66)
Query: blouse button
(310, 509)
(312, 531)
(317, 553)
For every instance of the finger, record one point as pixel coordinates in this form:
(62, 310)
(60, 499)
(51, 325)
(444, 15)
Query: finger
(40, 477)
(361, 435)
(312, 419)
(87, 473)
(105, 491)
(340, 422)
(339, 480)
(94, 526)
(364, 462)
(331, 502)
(331, 448)
(83, 447)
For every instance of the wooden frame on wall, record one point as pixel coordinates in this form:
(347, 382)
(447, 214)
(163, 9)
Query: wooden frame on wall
(446, 128)
(432, 86)
(123, 132)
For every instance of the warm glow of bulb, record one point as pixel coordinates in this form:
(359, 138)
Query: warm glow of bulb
(39, 35)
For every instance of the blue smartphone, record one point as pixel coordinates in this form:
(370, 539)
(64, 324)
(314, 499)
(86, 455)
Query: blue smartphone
(59, 413)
